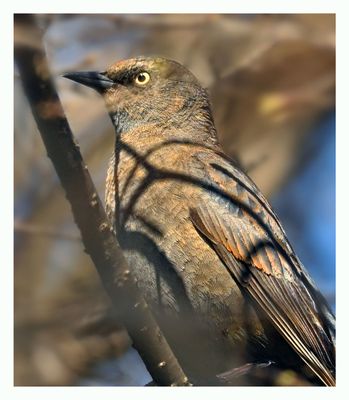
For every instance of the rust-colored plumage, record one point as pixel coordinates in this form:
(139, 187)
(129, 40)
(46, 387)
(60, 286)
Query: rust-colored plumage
(209, 253)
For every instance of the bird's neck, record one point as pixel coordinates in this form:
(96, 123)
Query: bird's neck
(192, 123)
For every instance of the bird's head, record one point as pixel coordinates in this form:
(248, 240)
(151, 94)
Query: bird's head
(148, 90)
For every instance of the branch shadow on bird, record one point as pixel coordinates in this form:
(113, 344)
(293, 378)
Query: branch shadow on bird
(154, 174)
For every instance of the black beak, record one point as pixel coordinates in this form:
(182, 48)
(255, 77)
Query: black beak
(92, 79)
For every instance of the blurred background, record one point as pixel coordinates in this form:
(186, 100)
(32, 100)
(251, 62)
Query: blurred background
(272, 85)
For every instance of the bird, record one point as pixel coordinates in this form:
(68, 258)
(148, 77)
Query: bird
(209, 253)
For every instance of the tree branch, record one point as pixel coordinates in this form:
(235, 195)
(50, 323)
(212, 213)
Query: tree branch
(97, 236)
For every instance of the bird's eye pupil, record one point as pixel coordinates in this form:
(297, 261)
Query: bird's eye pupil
(141, 77)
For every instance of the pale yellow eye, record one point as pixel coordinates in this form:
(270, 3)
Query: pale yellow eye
(142, 79)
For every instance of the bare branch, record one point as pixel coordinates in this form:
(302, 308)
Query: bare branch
(88, 212)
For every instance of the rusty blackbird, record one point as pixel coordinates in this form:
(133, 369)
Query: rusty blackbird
(209, 253)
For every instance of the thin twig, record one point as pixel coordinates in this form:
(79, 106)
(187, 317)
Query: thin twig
(47, 232)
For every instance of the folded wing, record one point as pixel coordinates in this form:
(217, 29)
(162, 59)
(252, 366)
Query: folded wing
(240, 225)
